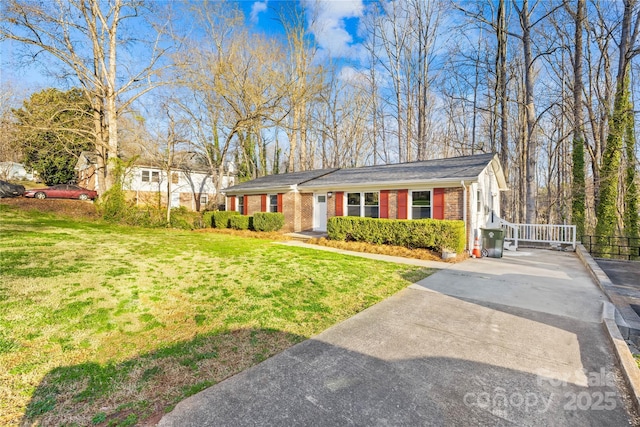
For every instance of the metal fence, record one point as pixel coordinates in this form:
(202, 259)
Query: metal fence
(614, 247)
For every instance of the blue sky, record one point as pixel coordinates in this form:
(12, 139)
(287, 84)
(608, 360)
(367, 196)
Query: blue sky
(334, 28)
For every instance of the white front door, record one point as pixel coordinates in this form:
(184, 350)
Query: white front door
(320, 212)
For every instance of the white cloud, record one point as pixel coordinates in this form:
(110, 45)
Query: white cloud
(352, 75)
(257, 8)
(328, 25)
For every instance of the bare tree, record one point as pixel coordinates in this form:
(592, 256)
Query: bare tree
(578, 206)
(341, 121)
(8, 101)
(84, 38)
(306, 82)
(231, 87)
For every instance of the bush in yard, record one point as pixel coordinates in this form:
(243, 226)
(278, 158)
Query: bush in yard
(185, 219)
(112, 205)
(241, 222)
(268, 221)
(207, 219)
(433, 234)
(220, 219)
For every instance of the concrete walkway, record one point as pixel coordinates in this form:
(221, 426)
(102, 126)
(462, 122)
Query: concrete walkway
(511, 341)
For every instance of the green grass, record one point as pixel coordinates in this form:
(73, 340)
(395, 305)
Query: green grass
(103, 324)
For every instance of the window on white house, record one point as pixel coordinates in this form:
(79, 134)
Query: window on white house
(420, 204)
(353, 204)
(363, 204)
(155, 176)
(273, 203)
(478, 201)
(145, 176)
(241, 204)
(204, 199)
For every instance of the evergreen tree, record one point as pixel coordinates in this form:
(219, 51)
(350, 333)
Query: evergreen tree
(54, 127)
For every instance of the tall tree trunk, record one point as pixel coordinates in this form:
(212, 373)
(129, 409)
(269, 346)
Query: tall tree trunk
(578, 184)
(630, 191)
(529, 141)
(609, 222)
(501, 88)
(293, 140)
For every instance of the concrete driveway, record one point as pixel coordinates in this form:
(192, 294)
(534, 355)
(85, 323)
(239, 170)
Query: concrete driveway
(511, 341)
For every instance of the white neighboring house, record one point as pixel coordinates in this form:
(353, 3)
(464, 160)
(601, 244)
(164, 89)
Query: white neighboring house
(144, 182)
(15, 171)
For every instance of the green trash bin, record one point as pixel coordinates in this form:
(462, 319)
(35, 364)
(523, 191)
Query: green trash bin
(492, 242)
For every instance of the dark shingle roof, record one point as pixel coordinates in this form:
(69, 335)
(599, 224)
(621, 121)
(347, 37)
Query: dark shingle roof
(451, 169)
(280, 181)
(455, 168)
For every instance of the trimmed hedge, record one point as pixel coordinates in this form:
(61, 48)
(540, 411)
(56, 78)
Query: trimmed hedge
(268, 221)
(220, 219)
(431, 234)
(207, 219)
(241, 222)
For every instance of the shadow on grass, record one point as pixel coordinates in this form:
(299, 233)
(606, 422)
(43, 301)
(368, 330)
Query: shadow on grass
(414, 276)
(145, 387)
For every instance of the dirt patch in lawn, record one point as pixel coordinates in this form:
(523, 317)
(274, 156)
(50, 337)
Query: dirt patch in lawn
(69, 208)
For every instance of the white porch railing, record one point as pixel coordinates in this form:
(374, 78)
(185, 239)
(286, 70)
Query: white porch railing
(538, 233)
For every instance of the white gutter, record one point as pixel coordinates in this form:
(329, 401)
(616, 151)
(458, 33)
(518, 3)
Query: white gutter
(464, 214)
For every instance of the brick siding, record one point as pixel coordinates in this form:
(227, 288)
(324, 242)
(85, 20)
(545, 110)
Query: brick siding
(331, 206)
(306, 211)
(393, 204)
(254, 203)
(290, 211)
(453, 201)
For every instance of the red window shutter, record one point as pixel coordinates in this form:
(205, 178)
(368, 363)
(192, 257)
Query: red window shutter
(245, 210)
(263, 204)
(339, 203)
(232, 202)
(402, 203)
(280, 202)
(438, 204)
(384, 204)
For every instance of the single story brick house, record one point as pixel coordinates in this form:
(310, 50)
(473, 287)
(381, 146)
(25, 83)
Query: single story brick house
(461, 188)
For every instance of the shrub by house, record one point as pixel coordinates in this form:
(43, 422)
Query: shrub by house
(437, 235)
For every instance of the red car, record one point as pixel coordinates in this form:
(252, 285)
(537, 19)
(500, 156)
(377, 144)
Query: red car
(62, 191)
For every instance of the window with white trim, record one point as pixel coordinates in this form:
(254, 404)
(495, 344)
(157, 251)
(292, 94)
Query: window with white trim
(204, 199)
(241, 204)
(273, 203)
(155, 176)
(371, 205)
(421, 204)
(353, 204)
(365, 204)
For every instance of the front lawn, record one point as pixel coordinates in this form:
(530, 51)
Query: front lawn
(110, 325)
